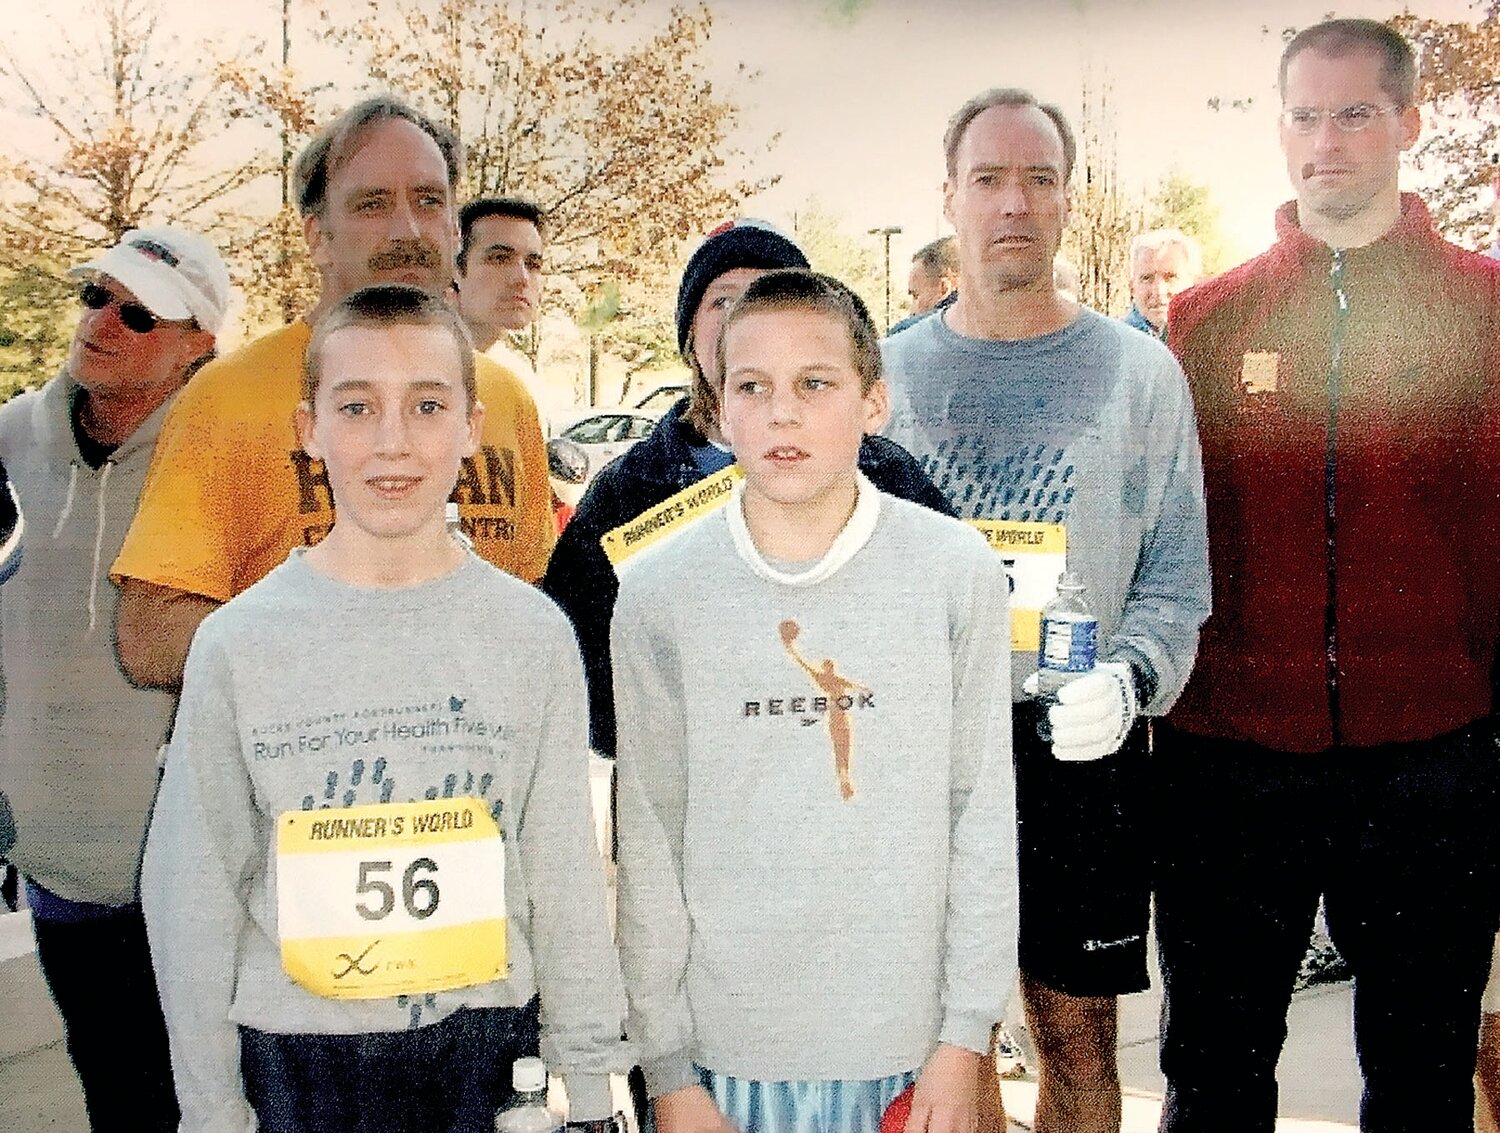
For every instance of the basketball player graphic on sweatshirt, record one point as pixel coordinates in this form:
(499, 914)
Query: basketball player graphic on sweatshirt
(837, 689)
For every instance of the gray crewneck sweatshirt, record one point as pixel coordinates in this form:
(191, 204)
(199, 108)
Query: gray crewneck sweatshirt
(306, 693)
(781, 917)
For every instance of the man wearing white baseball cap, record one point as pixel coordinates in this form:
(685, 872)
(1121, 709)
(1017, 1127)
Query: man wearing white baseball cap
(78, 743)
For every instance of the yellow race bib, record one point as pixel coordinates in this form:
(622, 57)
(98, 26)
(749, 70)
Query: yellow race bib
(391, 898)
(1035, 554)
(672, 514)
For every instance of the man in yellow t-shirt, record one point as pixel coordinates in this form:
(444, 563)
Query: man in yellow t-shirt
(230, 491)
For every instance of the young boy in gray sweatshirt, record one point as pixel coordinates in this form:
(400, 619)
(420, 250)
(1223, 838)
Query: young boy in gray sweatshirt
(817, 890)
(373, 847)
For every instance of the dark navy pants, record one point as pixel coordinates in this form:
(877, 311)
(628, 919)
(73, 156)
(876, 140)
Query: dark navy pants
(1401, 842)
(99, 973)
(448, 1077)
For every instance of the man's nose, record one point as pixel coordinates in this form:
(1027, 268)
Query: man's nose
(404, 225)
(1327, 135)
(1012, 198)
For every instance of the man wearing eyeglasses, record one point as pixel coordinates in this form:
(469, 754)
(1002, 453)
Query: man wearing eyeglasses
(78, 744)
(1338, 734)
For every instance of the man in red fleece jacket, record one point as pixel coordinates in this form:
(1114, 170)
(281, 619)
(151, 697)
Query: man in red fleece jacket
(1338, 735)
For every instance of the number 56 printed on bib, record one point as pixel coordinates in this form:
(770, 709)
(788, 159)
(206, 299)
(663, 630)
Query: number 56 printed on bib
(391, 899)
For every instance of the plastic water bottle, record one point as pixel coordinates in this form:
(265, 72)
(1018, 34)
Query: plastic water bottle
(529, 1112)
(1069, 644)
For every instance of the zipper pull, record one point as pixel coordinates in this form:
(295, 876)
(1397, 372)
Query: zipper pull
(1336, 276)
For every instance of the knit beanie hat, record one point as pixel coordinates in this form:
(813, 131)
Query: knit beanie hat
(734, 244)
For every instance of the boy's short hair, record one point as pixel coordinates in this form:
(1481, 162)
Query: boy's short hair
(383, 305)
(795, 289)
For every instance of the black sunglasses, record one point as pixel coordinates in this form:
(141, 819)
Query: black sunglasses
(133, 316)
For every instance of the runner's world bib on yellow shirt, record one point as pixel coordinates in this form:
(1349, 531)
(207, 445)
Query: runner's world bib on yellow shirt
(1035, 554)
(391, 898)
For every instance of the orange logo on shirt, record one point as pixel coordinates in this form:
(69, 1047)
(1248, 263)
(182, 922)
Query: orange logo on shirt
(837, 689)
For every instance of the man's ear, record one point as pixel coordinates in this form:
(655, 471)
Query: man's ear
(302, 419)
(195, 344)
(1411, 126)
(316, 237)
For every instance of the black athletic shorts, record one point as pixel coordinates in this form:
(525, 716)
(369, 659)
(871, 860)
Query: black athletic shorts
(1085, 863)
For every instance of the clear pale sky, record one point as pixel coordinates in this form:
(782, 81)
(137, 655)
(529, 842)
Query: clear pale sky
(860, 101)
(861, 105)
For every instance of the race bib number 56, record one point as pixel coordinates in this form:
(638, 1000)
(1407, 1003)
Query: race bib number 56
(391, 899)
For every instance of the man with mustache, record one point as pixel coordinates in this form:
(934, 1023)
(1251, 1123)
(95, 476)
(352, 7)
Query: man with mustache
(1071, 437)
(231, 492)
(1338, 736)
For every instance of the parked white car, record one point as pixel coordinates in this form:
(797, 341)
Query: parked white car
(577, 452)
(605, 433)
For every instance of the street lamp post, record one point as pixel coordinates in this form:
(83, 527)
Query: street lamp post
(887, 232)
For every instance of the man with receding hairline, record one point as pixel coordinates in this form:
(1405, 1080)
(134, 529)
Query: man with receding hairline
(1054, 426)
(1338, 736)
(231, 492)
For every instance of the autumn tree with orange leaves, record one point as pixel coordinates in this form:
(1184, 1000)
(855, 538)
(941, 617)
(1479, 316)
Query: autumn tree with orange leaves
(602, 112)
(606, 120)
(1458, 86)
(120, 124)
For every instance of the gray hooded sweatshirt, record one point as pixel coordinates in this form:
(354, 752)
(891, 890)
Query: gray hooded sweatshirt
(78, 743)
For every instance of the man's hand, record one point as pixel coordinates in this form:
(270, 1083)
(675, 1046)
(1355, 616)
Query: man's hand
(946, 1097)
(1093, 713)
(690, 1110)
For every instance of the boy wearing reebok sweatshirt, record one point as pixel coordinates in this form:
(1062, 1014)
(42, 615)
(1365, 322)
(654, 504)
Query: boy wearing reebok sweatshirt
(817, 838)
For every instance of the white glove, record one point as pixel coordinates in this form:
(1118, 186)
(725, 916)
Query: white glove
(1093, 714)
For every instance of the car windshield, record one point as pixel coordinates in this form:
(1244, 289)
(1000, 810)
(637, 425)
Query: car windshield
(594, 430)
